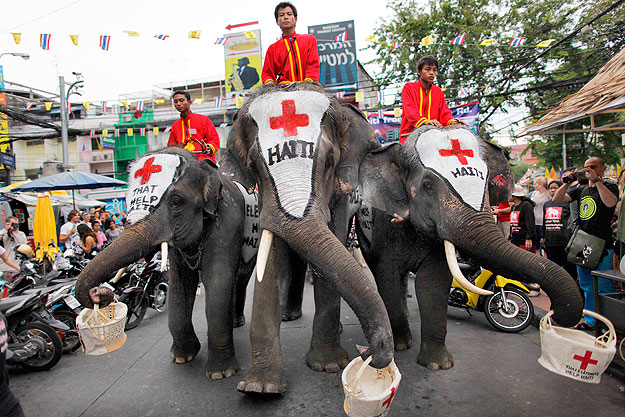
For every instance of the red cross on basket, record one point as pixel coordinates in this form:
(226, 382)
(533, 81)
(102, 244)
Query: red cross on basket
(455, 150)
(387, 402)
(289, 121)
(585, 360)
(148, 169)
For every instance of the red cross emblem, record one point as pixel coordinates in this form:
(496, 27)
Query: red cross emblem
(289, 121)
(455, 150)
(148, 169)
(387, 402)
(585, 360)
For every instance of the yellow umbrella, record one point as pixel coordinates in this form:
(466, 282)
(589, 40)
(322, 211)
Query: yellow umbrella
(44, 228)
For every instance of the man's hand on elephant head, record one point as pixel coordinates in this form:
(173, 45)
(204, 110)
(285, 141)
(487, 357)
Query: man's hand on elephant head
(397, 218)
(101, 296)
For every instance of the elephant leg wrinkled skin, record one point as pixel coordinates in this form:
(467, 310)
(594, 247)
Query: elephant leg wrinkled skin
(242, 279)
(295, 294)
(326, 353)
(432, 293)
(186, 344)
(266, 374)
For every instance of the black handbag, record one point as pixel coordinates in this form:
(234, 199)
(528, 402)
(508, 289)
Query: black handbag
(584, 249)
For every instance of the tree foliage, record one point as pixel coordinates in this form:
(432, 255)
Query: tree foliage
(502, 77)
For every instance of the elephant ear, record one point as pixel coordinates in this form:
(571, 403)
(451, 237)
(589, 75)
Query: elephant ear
(212, 191)
(500, 179)
(381, 182)
(234, 162)
(358, 139)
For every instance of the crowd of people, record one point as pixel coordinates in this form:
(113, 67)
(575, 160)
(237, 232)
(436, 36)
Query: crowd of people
(545, 220)
(91, 230)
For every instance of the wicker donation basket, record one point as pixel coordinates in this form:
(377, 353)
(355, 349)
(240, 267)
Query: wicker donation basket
(574, 353)
(102, 329)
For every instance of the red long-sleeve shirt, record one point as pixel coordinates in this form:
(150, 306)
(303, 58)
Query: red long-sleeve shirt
(195, 128)
(295, 56)
(418, 108)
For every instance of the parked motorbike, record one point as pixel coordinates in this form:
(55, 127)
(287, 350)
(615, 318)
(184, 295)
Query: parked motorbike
(508, 309)
(141, 285)
(64, 307)
(34, 343)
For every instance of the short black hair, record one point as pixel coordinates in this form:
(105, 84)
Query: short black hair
(427, 60)
(184, 93)
(284, 5)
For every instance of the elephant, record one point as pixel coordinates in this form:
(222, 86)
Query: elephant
(175, 201)
(303, 150)
(422, 200)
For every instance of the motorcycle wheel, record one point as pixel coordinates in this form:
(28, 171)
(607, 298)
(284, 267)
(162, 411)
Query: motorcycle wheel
(44, 335)
(136, 310)
(160, 297)
(519, 316)
(71, 341)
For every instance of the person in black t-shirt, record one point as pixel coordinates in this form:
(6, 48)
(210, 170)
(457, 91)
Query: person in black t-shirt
(522, 225)
(556, 232)
(596, 201)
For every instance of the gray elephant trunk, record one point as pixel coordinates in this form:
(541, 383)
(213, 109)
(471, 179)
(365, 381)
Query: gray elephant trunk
(479, 237)
(134, 243)
(330, 258)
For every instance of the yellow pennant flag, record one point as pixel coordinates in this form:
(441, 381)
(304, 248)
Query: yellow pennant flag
(48, 105)
(130, 132)
(249, 34)
(105, 133)
(74, 39)
(546, 172)
(198, 101)
(618, 170)
(397, 112)
(17, 37)
(545, 44)
(86, 105)
(159, 101)
(428, 40)
(131, 33)
(370, 39)
(239, 102)
(487, 42)
(123, 103)
(155, 130)
(195, 34)
(360, 96)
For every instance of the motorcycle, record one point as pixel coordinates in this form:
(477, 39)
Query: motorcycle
(34, 343)
(141, 285)
(64, 307)
(508, 309)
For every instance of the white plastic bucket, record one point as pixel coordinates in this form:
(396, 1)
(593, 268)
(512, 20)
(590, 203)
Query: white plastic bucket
(369, 391)
(574, 353)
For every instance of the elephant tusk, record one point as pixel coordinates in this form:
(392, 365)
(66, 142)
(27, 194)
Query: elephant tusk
(164, 254)
(118, 275)
(452, 262)
(263, 253)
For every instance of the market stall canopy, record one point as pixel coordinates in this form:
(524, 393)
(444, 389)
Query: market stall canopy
(70, 181)
(605, 93)
(30, 199)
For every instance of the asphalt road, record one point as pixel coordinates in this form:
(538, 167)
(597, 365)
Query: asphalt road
(495, 374)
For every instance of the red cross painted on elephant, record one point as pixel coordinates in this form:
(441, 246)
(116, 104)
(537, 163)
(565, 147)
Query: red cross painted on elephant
(148, 169)
(456, 151)
(585, 360)
(387, 402)
(289, 121)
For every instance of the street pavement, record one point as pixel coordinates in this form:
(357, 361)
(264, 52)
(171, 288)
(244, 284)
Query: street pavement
(495, 374)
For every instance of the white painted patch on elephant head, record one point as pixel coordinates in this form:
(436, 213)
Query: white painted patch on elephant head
(454, 154)
(289, 129)
(149, 177)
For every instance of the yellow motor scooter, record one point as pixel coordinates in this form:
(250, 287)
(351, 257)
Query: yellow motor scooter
(508, 309)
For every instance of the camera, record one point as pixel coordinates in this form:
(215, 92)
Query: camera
(578, 175)
(15, 225)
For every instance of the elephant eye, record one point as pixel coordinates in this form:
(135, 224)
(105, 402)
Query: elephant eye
(175, 201)
(427, 186)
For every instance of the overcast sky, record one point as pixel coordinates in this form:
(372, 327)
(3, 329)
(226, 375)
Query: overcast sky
(136, 64)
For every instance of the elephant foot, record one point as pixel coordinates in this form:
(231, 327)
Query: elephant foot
(403, 342)
(221, 368)
(435, 358)
(265, 381)
(291, 315)
(328, 359)
(182, 352)
(238, 321)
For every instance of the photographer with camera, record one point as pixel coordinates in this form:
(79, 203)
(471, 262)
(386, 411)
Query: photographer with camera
(596, 199)
(11, 237)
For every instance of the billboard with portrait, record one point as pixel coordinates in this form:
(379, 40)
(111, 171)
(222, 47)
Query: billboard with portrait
(242, 58)
(337, 55)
